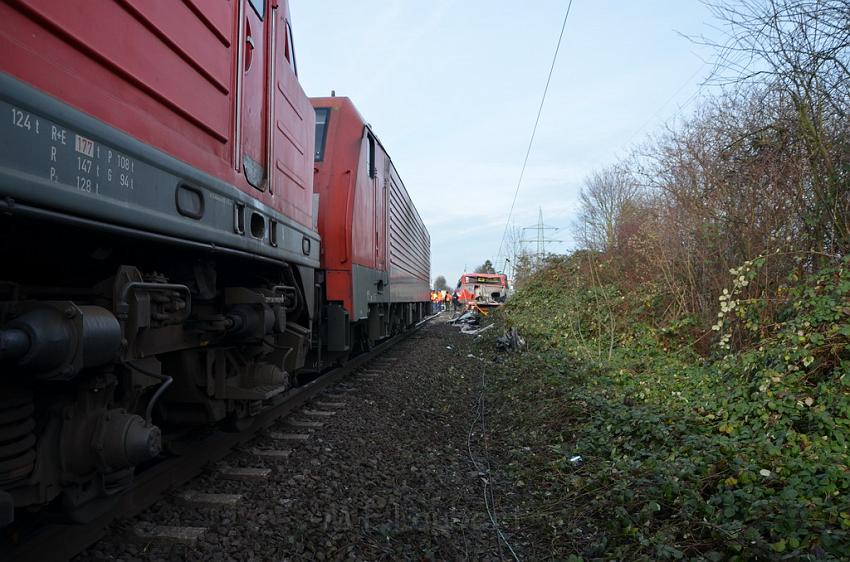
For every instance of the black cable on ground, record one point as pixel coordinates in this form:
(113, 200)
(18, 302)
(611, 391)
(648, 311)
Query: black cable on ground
(484, 473)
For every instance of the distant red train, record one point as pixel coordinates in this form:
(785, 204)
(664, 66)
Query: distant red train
(171, 254)
(482, 289)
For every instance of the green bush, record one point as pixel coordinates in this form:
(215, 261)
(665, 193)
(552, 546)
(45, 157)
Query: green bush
(741, 455)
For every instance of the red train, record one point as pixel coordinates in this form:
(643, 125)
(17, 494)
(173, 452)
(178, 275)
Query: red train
(482, 289)
(376, 252)
(170, 257)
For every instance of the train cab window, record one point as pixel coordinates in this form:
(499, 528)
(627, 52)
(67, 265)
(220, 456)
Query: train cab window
(290, 49)
(259, 7)
(322, 116)
(371, 161)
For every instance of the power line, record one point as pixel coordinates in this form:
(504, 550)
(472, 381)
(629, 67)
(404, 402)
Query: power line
(666, 103)
(534, 130)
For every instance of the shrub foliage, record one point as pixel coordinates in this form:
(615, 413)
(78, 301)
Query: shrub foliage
(693, 353)
(742, 453)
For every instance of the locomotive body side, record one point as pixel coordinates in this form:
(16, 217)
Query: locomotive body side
(158, 117)
(409, 246)
(158, 259)
(376, 255)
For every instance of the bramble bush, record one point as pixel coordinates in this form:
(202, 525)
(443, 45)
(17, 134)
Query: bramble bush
(739, 454)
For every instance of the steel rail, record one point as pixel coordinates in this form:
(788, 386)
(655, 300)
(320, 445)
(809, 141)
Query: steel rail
(63, 541)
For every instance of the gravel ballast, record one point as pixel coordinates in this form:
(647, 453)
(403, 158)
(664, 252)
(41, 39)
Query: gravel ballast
(387, 476)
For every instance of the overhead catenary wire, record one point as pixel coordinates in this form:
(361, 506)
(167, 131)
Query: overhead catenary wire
(682, 106)
(534, 129)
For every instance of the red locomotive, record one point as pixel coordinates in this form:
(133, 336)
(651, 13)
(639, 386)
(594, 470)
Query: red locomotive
(161, 257)
(376, 252)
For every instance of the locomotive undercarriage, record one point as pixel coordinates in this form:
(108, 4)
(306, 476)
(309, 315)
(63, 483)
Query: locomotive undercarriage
(386, 320)
(93, 331)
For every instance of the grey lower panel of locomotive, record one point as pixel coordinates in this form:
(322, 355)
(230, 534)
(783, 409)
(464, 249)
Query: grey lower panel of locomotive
(408, 289)
(385, 304)
(372, 286)
(369, 286)
(56, 160)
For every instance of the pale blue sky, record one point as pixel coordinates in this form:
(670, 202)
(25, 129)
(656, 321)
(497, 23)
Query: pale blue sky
(452, 88)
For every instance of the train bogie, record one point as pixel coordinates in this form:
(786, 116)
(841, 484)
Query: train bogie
(98, 363)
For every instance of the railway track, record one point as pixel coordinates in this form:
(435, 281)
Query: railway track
(194, 453)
